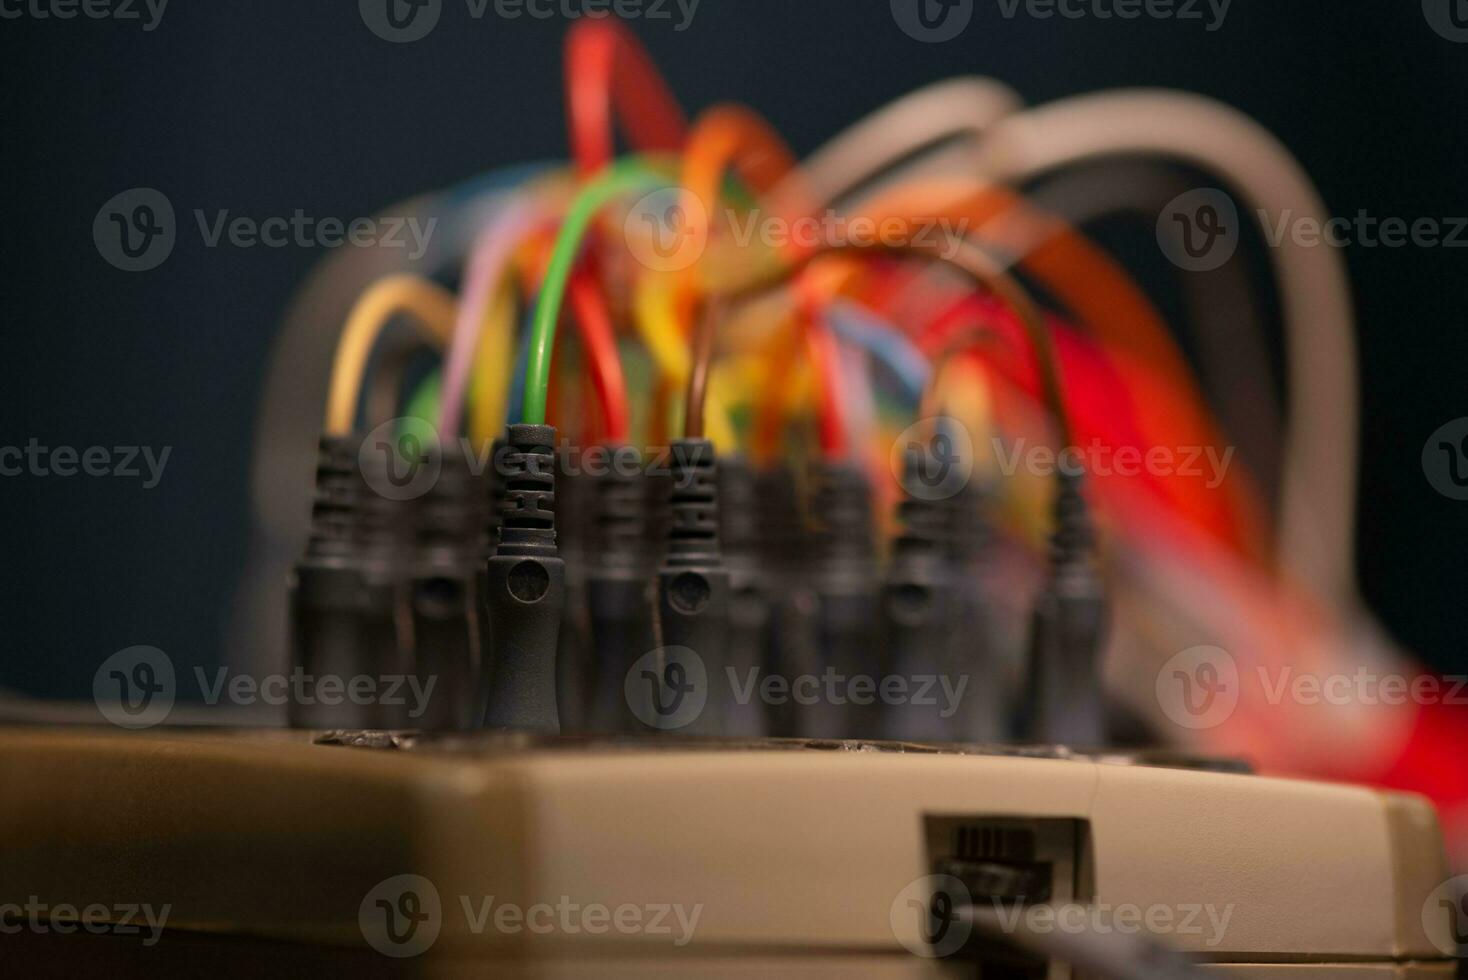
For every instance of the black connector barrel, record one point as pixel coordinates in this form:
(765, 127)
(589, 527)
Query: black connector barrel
(987, 698)
(344, 592)
(445, 601)
(848, 621)
(1064, 703)
(525, 588)
(921, 601)
(574, 669)
(493, 488)
(618, 593)
(751, 598)
(693, 585)
(782, 547)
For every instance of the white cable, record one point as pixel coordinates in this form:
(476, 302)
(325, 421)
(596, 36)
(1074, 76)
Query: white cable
(918, 121)
(1318, 489)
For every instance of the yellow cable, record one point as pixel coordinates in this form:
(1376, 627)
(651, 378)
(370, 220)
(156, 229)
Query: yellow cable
(719, 427)
(740, 377)
(962, 391)
(490, 391)
(654, 311)
(431, 306)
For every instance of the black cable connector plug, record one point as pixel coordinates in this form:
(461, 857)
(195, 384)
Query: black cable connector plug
(493, 488)
(345, 590)
(848, 588)
(574, 669)
(617, 588)
(1064, 703)
(693, 585)
(525, 588)
(987, 698)
(446, 603)
(751, 594)
(782, 551)
(921, 602)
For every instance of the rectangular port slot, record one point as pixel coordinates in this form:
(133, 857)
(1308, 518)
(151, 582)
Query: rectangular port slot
(1012, 862)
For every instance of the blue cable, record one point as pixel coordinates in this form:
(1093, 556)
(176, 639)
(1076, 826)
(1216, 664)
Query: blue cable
(859, 325)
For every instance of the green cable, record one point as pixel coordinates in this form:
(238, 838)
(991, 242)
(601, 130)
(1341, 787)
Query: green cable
(622, 177)
(422, 409)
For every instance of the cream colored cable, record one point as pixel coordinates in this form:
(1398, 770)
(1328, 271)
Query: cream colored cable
(432, 307)
(956, 107)
(1318, 487)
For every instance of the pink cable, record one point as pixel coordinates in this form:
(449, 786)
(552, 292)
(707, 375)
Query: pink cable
(491, 255)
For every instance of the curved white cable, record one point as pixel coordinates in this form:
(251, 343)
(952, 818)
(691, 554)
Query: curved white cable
(1318, 491)
(968, 105)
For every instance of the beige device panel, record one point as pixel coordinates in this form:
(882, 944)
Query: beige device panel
(795, 858)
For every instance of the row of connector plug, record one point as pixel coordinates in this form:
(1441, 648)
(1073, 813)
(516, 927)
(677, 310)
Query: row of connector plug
(524, 623)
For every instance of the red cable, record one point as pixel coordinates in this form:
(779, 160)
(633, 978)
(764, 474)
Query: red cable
(825, 359)
(1431, 762)
(607, 73)
(598, 337)
(609, 78)
(593, 412)
(1096, 393)
(1104, 389)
